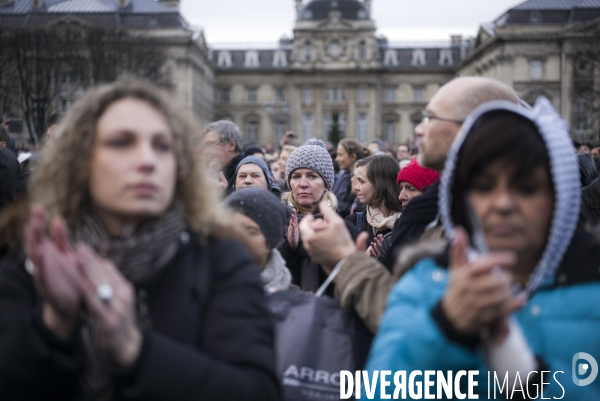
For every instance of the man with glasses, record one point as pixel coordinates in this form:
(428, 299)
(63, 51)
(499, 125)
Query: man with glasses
(442, 119)
(222, 145)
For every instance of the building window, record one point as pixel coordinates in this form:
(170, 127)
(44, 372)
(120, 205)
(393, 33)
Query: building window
(362, 51)
(307, 126)
(328, 123)
(390, 131)
(362, 96)
(307, 96)
(224, 59)
(446, 57)
(252, 132)
(391, 58)
(390, 94)
(65, 104)
(252, 95)
(279, 59)
(280, 130)
(307, 52)
(225, 96)
(335, 95)
(418, 57)
(363, 128)
(535, 69)
(280, 95)
(418, 94)
(581, 113)
(252, 59)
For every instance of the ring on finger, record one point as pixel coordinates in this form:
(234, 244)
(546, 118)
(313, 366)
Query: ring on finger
(105, 292)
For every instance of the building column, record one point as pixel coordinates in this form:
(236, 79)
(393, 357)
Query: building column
(352, 98)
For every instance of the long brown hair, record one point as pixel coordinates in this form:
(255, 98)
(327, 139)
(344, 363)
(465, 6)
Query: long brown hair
(353, 147)
(60, 181)
(382, 172)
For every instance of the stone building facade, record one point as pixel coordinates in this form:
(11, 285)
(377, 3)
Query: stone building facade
(336, 66)
(537, 48)
(192, 73)
(336, 63)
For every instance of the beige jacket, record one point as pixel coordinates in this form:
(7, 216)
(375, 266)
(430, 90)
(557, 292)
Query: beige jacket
(363, 283)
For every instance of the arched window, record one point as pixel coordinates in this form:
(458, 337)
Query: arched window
(446, 57)
(391, 58)
(224, 59)
(279, 59)
(307, 51)
(362, 50)
(418, 57)
(251, 60)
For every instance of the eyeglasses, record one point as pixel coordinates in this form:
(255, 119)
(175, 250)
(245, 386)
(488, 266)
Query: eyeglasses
(210, 145)
(427, 117)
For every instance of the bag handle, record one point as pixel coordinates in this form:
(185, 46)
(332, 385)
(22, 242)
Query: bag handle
(331, 277)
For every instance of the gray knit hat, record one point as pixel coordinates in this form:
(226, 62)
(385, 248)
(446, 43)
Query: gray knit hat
(260, 163)
(312, 155)
(564, 170)
(264, 209)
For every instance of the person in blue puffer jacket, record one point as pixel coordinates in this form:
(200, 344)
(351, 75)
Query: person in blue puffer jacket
(518, 290)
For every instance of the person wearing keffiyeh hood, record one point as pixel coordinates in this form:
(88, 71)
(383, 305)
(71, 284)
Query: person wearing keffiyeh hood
(516, 292)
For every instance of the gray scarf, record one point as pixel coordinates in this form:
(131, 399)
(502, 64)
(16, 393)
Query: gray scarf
(140, 255)
(276, 276)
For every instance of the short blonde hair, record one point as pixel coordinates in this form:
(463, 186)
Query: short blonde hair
(60, 182)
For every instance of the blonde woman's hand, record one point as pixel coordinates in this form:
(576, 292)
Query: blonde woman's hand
(55, 272)
(114, 316)
(293, 233)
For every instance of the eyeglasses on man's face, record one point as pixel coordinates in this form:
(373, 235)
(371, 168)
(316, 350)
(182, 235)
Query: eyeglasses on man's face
(210, 145)
(426, 118)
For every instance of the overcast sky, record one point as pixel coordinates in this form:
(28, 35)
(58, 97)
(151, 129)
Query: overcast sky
(399, 20)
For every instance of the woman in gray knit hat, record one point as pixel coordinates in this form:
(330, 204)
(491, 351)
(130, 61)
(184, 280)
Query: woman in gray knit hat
(309, 173)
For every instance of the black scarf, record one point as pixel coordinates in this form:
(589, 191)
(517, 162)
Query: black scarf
(140, 255)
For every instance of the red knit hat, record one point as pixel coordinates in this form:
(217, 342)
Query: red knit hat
(417, 176)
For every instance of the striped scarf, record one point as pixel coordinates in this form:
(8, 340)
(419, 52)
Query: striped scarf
(140, 255)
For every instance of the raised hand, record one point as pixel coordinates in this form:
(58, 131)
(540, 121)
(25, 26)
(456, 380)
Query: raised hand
(374, 249)
(293, 233)
(55, 272)
(328, 240)
(479, 294)
(113, 310)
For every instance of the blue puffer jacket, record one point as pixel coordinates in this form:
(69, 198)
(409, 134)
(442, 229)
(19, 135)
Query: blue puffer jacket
(558, 321)
(561, 317)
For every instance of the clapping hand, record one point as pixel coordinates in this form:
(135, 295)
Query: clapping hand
(55, 272)
(374, 249)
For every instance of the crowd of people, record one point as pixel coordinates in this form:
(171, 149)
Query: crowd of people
(137, 254)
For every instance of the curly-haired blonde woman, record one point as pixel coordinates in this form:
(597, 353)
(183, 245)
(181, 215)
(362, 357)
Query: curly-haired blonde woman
(112, 293)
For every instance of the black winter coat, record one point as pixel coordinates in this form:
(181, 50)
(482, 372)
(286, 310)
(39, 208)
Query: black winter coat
(353, 218)
(297, 260)
(590, 204)
(413, 221)
(10, 177)
(229, 173)
(222, 351)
